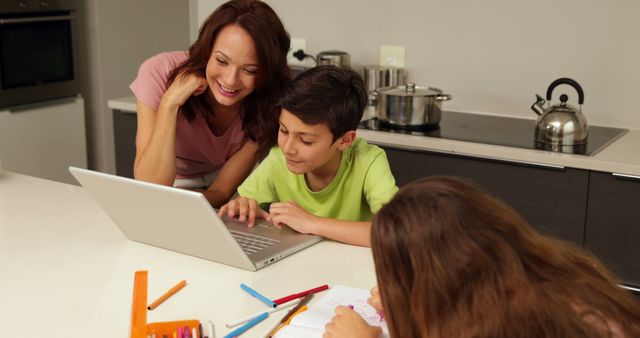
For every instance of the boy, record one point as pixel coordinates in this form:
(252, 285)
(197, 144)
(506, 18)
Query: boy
(320, 179)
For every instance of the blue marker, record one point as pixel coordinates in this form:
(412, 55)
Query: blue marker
(247, 326)
(257, 295)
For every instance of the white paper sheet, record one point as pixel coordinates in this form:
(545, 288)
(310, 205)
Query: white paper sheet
(310, 323)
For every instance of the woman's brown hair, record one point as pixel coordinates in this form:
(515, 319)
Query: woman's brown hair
(452, 261)
(260, 120)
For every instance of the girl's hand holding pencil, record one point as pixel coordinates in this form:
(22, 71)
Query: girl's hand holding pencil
(348, 323)
(375, 302)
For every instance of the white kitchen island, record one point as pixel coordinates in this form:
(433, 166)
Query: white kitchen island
(67, 270)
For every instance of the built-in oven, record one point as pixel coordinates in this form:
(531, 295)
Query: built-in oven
(38, 51)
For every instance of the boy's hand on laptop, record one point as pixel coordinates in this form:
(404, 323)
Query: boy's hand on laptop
(294, 216)
(246, 209)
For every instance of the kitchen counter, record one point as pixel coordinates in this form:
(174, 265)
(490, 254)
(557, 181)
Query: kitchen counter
(124, 104)
(620, 157)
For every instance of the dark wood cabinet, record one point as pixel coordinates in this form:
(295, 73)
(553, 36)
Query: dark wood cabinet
(597, 210)
(124, 128)
(552, 199)
(613, 224)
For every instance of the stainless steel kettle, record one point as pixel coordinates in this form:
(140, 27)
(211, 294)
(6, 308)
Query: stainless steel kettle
(563, 124)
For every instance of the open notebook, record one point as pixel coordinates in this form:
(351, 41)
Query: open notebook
(310, 323)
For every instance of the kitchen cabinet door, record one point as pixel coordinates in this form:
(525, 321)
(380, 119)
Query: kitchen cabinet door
(125, 125)
(613, 224)
(552, 199)
(45, 138)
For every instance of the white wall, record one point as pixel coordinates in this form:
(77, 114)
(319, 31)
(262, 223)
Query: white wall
(493, 56)
(116, 37)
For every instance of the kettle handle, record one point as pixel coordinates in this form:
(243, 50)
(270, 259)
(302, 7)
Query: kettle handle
(567, 81)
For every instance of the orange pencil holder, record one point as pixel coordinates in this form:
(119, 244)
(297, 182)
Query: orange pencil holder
(167, 329)
(139, 326)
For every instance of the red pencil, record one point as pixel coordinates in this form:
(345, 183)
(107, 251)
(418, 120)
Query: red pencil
(300, 295)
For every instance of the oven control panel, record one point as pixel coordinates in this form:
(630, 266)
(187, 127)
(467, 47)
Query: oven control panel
(21, 6)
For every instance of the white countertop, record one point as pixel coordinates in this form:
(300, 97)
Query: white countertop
(67, 270)
(621, 157)
(124, 103)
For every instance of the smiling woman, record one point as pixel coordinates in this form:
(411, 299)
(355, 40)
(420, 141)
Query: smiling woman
(206, 115)
(232, 69)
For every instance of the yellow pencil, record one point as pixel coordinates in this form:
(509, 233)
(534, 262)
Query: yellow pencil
(167, 294)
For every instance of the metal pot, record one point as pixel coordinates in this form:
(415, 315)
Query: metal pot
(410, 106)
(375, 77)
(337, 58)
(383, 76)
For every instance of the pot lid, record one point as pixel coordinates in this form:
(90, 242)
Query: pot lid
(563, 108)
(333, 52)
(410, 89)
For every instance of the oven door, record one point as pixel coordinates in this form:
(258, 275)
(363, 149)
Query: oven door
(37, 57)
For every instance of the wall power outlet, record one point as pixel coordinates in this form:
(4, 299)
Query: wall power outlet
(392, 56)
(296, 44)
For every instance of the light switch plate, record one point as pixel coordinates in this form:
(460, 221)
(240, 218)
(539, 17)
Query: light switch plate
(391, 56)
(296, 44)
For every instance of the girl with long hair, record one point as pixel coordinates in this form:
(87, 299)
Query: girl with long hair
(205, 116)
(452, 261)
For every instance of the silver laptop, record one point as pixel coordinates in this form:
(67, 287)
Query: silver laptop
(184, 221)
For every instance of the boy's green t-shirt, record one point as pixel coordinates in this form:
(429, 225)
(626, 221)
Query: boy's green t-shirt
(363, 183)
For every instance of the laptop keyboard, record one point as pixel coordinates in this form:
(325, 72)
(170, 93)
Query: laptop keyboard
(251, 244)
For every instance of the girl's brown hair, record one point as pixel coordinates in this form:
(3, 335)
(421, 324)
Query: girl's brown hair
(452, 261)
(260, 120)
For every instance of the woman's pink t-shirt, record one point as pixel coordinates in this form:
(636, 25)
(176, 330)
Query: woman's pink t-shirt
(198, 151)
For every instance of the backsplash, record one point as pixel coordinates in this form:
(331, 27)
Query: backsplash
(491, 56)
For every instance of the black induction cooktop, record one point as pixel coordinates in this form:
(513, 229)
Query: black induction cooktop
(499, 130)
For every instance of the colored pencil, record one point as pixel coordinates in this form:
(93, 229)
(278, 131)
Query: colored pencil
(287, 318)
(300, 294)
(247, 326)
(258, 295)
(167, 294)
(250, 317)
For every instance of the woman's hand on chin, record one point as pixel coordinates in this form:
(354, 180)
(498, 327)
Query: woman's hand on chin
(183, 87)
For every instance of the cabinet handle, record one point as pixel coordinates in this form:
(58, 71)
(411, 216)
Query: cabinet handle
(36, 19)
(629, 288)
(536, 164)
(633, 177)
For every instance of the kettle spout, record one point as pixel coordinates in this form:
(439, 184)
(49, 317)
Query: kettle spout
(538, 106)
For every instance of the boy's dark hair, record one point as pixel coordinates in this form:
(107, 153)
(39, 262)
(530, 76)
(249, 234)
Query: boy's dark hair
(327, 94)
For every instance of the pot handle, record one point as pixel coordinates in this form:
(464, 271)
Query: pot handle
(443, 97)
(567, 81)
